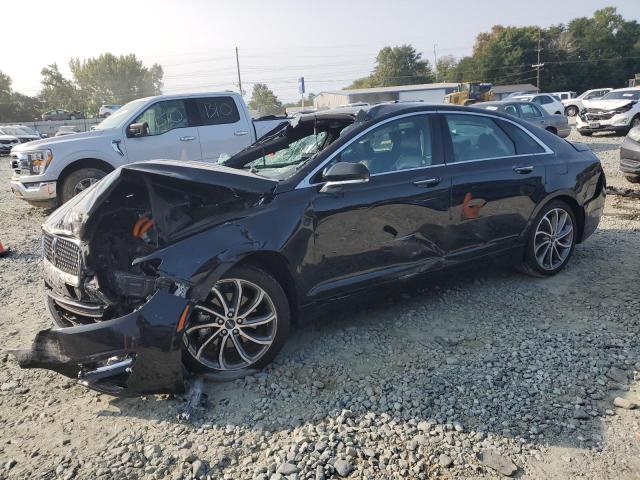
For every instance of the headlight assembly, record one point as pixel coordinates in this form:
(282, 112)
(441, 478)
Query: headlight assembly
(634, 134)
(35, 161)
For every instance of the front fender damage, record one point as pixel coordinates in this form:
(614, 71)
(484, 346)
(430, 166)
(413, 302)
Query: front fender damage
(136, 354)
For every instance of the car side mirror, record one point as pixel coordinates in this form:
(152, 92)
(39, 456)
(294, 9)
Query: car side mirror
(138, 130)
(344, 173)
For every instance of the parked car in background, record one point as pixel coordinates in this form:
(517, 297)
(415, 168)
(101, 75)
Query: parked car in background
(20, 133)
(60, 114)
(165, 262)
(547, 101)
(630, 155)
(67, 130)
(7, 142)
(106, 110)
(202, 126)
(532, 113)
(574, 105)
(618, 111)
(564, 95)
(30, 131)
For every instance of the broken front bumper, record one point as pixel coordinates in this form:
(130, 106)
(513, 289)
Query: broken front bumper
(137, 354)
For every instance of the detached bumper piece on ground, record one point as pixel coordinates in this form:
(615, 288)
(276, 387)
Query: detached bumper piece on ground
(136, 354)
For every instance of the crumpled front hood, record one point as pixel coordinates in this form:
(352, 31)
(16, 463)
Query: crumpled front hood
(71, 218)
(606, 105)
(63, 140)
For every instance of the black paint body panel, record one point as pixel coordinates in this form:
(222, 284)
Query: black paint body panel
(337, 243)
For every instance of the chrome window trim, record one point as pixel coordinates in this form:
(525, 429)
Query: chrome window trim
(546, 149)
(305, 182)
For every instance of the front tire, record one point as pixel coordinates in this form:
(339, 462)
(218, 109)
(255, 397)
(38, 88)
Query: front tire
(79, 180)
(632, 179)
(585, 134)
(240, 327)
(551, 241)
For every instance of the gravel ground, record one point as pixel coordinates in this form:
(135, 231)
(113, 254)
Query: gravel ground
(475, 375)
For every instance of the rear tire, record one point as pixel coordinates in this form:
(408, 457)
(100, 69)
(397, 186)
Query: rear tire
(552, 240)
(585, 134)
(552, 130)
(224, 346)
(77, 181)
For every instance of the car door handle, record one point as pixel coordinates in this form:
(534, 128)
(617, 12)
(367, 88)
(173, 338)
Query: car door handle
(523, 169)
(240, 133)
(188, 138)
(429, 182)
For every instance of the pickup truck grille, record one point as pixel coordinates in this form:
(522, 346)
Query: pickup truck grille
(62, 253)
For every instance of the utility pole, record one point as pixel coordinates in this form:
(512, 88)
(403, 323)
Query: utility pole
(435, 61)
(238, 66)
(538, 65)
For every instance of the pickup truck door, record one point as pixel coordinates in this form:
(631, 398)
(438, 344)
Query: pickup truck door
(223, 128)
(173, 134)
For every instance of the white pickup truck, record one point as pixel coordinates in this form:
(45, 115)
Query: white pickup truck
(202, 126)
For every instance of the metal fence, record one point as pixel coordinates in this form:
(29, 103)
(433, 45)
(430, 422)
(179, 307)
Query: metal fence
(51, 127)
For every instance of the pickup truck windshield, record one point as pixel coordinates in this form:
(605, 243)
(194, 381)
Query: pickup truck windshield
(117, 118)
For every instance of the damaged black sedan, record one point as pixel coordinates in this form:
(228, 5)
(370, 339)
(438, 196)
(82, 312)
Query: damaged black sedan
(167, 267)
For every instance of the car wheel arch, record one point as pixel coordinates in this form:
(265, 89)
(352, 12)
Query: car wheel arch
(272, 262)
(566, 197)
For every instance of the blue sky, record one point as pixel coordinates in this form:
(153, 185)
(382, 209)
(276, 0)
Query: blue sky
(329, 42)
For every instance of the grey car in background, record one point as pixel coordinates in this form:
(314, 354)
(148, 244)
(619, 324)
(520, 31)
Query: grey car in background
(532, 113)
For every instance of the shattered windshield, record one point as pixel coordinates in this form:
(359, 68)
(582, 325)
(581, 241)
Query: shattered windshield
(288, 147)
(290, 158)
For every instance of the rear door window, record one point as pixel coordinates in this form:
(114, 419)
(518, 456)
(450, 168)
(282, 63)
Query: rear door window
(217, 110)
(476, 137)
(530, 111)
(525, 145)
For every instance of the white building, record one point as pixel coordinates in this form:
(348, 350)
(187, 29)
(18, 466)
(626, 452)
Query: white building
(426, 92)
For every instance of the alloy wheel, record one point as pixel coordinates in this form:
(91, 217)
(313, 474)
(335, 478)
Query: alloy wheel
(553, 239)
(233, 328)
(84, 184)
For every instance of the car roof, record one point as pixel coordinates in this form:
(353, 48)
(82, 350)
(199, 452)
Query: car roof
(627, 89)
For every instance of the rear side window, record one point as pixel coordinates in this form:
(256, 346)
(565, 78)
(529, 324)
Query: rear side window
(525, 145)
(529, 110)
(476, 137)
(545, 100)
(217, 110)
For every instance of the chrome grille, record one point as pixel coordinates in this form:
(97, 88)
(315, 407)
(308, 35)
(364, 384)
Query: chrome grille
(62, 253)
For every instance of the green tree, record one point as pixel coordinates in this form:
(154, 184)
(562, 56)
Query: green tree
(58, 91)
(446, 68)
(114, 79)
(6, 109)
(264, 101)
(400, 65)
(603, 50)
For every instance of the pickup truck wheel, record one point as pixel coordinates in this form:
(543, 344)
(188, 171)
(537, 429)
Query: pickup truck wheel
(240, 327)
(78, 181)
